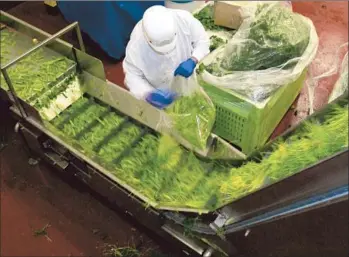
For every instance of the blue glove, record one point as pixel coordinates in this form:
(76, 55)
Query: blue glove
(160, 98)
(186, 68)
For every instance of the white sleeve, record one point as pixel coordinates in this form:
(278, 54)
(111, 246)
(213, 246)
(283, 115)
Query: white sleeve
(200, 39)
(135, 80)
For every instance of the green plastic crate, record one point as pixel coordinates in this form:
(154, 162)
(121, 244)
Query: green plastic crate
(246, 124)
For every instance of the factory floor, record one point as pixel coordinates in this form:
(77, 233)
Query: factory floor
(43, 215)
(78, 223)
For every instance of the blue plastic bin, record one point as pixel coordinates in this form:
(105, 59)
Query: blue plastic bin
(109, 23)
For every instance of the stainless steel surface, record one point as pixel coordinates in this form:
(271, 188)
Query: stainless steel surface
(23, 35)
(208, 253)
(312, 181)
(88, 63)
(56, 159)
(335, 196)
(16, 59)
(78, 34)
(27, 29)
(31, 137)
(185, 240)
(91, 65)
(40, 45)
(20, 43)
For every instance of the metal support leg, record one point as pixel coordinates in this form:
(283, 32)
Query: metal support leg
(78, 34)
(33, 160)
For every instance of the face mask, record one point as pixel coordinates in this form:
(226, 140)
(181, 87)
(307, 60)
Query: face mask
(162, 44)
(168, 52)
(162, 53)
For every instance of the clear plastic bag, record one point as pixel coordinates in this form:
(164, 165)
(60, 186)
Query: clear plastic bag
(341, 86)
(193, 114)
(272, 48)
(324, 74)
(287, 4)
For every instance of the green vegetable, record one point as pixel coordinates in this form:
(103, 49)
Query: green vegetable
(45, 99)
(276, 36)
(117, 144)
(316, 142)
(193, 117)
(169, 175)
(98, 133)
(79, 107)
(205, 16)
(78, 123)
(216, 42)
(201, 68)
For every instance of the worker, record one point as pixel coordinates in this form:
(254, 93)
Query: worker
(164, 44)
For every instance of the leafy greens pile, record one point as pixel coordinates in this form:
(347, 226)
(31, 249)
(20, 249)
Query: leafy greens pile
(275, 36)
(205, 16)
(170, 176)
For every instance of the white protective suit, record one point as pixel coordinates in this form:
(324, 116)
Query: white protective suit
(146, 69)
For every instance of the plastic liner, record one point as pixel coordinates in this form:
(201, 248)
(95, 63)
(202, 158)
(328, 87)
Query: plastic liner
(272, 48)
(219, 36)
(341, 86)
(338, 66)
(192, 115)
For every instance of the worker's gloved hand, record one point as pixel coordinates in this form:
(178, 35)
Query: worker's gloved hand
(186, 68)
(161, 98)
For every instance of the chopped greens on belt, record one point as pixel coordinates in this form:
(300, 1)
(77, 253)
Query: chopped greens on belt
(171, 176)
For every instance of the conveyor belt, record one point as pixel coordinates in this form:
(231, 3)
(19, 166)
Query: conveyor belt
(127, 148)
(109, 139)
(131, 152)
(128, 151)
